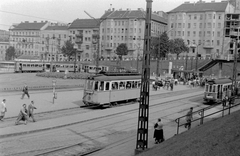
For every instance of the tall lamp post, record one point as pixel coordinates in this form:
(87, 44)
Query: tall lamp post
(197, 60)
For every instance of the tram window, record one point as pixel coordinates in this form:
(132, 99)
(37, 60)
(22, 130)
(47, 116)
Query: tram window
(114, 85)
(66, 66)
(71, 66)
(101, 85)
(210, 88)
(214, 88)
(122, 85)
(96, 85)
(24, 65)
(107, 86)
(40, 65)
(28, 65)
(133, 84)
(128, 86)
(206, 88)
(139, 84)
(90, 85)
(36, 65)
(32, 65)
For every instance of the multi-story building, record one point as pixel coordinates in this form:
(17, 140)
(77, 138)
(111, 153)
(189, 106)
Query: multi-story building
(3, 47)
(4, 43)
(25, 37)
(127, 26)
(201, 25)
(53, 38)
(84, 33)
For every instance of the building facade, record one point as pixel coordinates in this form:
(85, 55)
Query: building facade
(84, 34)
(53, 38)
(201, 26)
(127, 26)
(4, 43)
(25, 37)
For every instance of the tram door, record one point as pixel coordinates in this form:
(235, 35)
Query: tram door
(219, 91)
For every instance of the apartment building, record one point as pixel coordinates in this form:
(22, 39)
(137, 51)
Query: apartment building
(201, 25)
(84, 33)
(4, 43)
(25, 37)
(127, 26)
(53, 38)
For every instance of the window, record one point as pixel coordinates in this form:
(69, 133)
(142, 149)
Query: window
(219, 16)
(128, 85)
(195, 16)
(122, 85)
(194, 33)
(87, 46)
(194, 25)
(209, 16)
(189, 17)
(218, 34)
(219, 25)
(96, 86)
(188, 33)
(171, 25)
(200, 33)
(189, 25)
(107, 86)
(218, 42)
(114, 85)
(209, 25)
(179, 25)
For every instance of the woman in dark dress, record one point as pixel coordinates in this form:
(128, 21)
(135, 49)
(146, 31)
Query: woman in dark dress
(158, 132)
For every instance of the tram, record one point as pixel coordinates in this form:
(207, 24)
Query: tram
(37, 66)
(111, 89)
(216, 90)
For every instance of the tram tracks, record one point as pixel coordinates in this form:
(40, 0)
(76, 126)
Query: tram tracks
(74, 148)
(75, 110)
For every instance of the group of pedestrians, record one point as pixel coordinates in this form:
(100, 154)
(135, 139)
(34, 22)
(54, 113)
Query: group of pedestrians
(26, 112)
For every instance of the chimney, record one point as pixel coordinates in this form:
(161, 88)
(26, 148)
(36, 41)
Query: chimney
(35, 21)
(113, 9)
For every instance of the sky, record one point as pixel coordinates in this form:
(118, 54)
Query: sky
(66, 11)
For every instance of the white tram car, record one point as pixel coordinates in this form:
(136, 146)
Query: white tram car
(216, 90)
(111, 89)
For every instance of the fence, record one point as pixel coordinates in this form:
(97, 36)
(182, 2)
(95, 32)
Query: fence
(201, 113)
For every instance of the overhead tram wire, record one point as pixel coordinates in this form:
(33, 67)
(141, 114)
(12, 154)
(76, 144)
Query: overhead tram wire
(31, 16)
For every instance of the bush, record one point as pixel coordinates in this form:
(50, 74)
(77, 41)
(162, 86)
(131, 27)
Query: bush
(62, 75)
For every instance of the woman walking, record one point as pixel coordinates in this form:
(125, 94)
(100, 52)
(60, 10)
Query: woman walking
(158, 132)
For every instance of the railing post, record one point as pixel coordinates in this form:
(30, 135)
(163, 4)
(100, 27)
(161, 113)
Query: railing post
(177, 121)
(223, 111)
(202, 116)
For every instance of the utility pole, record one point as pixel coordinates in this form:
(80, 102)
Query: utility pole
(143, 115)
(234, 76)
(98, 40)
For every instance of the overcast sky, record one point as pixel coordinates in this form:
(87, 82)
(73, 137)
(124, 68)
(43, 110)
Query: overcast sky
(16, 11)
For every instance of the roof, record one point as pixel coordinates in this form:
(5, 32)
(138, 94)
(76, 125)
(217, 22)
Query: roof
(131, 14)
(84, 23)
(201, 7)
(112, 78)
(57, 28)
(29, 26)
(29, 57)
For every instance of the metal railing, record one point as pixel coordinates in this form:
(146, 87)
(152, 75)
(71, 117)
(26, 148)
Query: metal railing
(201, 113)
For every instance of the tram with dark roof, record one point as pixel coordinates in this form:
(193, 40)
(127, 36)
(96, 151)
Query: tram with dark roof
(217, 90)
(111, 89)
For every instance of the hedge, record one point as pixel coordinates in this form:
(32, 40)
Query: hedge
(62, 75)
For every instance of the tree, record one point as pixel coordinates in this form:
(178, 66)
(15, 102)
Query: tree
(68, 49)
(160, 48)
(178, 46)
(10, 53)
(122, 50)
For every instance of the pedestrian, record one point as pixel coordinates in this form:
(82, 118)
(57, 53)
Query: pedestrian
(3, 109)
(23, 115)
(31, 108)
(25, 91)
(189, 118)
(225, 100)
(158, 132)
